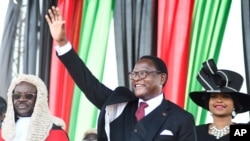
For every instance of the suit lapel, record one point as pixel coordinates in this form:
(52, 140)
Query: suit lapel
(154, 124)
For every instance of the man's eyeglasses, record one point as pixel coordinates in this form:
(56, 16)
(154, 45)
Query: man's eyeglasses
(141, 74)
(27, 96)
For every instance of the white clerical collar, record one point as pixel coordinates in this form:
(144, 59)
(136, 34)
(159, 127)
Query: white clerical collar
(22, 127)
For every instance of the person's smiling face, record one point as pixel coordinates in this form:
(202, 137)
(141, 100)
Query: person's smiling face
(24, 99)
(221, 104)
(150, 86)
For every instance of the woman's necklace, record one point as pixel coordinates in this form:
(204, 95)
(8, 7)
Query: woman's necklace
(218, 133)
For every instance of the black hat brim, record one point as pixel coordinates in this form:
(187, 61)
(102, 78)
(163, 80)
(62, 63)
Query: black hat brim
(201, 98)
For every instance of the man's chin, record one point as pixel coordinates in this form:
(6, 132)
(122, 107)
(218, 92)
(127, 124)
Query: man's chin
(139, 95)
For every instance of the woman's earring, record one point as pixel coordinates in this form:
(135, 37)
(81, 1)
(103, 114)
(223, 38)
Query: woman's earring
(233, 113)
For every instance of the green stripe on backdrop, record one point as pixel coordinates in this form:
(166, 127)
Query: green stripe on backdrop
(92, 49)
(209, 22)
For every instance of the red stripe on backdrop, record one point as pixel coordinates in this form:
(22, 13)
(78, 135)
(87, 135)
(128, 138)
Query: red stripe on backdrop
(61, 83)
(173, 45)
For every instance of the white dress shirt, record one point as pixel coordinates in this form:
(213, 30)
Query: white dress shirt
(152, 103)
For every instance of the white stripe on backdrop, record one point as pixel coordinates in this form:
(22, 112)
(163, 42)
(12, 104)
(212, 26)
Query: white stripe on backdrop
(110, 77)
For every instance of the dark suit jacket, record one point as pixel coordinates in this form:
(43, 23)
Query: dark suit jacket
(168, 122)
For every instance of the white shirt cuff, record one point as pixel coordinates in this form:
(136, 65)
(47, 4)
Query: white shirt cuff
(63, 49)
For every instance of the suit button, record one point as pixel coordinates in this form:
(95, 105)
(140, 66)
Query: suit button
(135, 130)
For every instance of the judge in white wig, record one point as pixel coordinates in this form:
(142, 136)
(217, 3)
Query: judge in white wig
(38, 125)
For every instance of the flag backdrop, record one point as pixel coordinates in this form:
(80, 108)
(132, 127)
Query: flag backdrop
(111, 35)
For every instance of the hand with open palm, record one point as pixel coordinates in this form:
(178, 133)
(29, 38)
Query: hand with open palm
(57, 25)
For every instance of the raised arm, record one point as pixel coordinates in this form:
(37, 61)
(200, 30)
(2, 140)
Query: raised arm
(93, 89)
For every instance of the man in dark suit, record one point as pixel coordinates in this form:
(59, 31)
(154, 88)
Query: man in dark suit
(163, 119)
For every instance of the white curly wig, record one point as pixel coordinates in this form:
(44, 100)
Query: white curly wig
(41, 119)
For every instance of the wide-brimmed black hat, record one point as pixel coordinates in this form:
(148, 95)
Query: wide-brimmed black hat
(220, 81)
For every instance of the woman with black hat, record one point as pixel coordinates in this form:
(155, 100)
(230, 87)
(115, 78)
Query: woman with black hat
(222, 98)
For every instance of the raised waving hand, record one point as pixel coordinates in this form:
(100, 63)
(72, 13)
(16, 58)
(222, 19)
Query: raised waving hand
(57, 25)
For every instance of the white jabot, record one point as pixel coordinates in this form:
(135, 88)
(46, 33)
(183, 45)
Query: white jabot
(64, 49)
(152, 103)
(22, 127)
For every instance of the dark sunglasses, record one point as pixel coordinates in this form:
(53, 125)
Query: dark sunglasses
(27, 96)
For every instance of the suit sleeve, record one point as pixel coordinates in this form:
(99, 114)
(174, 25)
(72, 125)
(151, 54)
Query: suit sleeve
(187, 131)
(95, 91)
